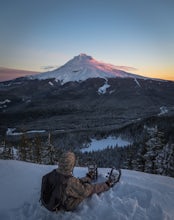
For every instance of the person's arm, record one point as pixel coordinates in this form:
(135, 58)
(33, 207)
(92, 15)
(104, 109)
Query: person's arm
(99, 188)
(78, 189)
(88, 178)
(85, 179)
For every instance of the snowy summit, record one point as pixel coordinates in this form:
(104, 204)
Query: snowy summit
(83, 67)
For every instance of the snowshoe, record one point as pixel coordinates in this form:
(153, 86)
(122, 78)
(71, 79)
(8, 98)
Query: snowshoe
(113, 177)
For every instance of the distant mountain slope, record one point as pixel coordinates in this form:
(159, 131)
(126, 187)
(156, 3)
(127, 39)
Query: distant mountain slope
(84, 94)
(92, 104)
(137, 196)
(83, 67)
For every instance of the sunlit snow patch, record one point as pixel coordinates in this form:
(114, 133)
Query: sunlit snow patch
(3, 104)
(50, 83)
(11, 132)
(102, 89)
(137, 82)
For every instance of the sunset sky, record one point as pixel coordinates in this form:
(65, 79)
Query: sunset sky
(38, 35)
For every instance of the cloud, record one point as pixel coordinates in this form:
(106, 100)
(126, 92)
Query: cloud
(127, 68)
(8, 73)
(48, 68)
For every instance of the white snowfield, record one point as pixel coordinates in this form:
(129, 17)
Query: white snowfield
(83, 67)
(102, 144)
(138, 196)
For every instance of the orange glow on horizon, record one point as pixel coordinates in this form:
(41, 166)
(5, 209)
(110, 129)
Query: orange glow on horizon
(166, 74)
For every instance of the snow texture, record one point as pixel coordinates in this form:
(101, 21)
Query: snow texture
(83, 67)
(138, 196)
(96, 145)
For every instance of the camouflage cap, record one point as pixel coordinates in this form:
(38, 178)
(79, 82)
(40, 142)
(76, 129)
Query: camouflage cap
(67, 163)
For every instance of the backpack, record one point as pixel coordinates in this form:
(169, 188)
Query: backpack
(52, 190)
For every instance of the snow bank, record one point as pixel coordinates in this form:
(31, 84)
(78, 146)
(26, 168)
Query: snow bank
(138, 196)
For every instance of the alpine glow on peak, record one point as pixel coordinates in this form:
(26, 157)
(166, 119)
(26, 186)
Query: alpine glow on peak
(83, 67)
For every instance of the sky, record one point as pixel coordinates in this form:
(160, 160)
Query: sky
(38, 35)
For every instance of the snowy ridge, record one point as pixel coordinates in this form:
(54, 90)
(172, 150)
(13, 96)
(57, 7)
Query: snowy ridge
(138, 196)
(11, 132)
(83, 67)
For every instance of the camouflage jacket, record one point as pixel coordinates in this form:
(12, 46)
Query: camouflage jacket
(79, 189)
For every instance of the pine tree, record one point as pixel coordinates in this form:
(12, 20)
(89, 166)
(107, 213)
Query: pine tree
(129, 162)
(30, 155)
(170, 160)
(50, 150)
(153, 148)
(166, 160)
(23, 148)
(6, 151)
(139, 161)
(37, 150)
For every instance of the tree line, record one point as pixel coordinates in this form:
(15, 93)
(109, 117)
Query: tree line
(152, 153)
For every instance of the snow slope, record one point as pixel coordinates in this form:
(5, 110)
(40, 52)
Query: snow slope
(138, 196)
(82, 67)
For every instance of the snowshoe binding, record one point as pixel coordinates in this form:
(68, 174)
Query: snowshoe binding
(113, 177)
(93, 171)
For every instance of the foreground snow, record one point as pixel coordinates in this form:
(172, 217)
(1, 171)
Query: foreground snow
(138, 196)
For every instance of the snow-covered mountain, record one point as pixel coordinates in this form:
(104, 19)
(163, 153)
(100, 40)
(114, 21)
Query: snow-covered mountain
(83, 94)
(138, 196)
(83, 67)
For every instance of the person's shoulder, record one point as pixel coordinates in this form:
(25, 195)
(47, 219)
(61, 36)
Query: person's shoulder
(74, 180)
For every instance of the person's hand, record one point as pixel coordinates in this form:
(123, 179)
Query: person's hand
(110, 182)
(114, 177)
(91, 174)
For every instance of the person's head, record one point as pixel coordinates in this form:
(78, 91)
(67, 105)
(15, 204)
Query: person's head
(66, 163)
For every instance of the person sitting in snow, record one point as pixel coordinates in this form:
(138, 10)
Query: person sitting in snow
(76, 189)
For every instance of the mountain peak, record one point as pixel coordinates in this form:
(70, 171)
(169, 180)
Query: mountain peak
(85, 56)
(82, 58)
(83, 67)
